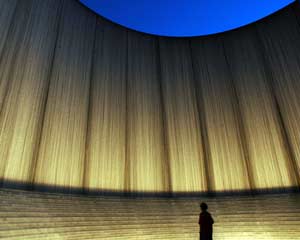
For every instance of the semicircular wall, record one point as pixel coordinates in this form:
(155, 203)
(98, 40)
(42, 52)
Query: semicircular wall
(86, 104)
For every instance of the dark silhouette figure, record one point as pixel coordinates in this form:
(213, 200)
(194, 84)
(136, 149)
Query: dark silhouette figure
(206, 223)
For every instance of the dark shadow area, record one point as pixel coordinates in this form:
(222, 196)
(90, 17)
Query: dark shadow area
(132, 194)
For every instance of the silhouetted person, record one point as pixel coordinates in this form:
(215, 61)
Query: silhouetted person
(206, 223)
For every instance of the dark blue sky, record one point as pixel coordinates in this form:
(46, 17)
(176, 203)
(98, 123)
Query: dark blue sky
(184, 17)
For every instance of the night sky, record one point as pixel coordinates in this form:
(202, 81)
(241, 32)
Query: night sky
(184, 18)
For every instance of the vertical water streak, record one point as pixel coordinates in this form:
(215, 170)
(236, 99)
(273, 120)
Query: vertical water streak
(62, 149)
(281, 44)
(267, 154)
(105, 168)
(227, 166)
(148, 170)
(183, 128)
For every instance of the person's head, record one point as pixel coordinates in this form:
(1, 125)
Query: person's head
(203, 206)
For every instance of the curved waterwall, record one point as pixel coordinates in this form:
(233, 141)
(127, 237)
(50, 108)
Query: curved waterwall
(86, 104)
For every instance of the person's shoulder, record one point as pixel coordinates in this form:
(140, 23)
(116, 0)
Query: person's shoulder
(205, 213)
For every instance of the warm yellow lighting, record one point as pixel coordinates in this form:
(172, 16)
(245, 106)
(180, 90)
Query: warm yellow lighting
(90, 105)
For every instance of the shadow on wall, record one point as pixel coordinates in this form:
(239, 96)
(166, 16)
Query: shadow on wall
(11, 184)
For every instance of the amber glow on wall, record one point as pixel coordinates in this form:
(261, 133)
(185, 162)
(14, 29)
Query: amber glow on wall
(88, 104)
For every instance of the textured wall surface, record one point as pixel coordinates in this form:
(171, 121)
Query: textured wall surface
(90, 105)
